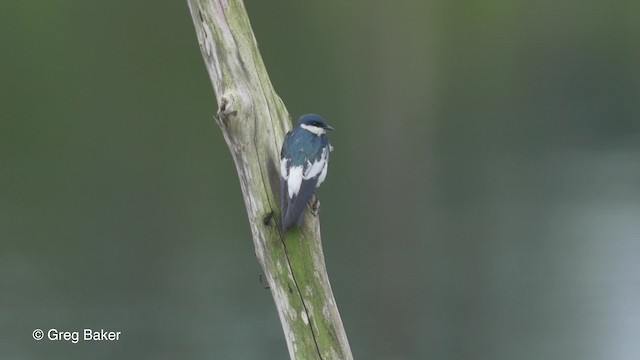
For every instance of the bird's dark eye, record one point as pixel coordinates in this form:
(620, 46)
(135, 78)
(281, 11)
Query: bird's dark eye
(317, 123)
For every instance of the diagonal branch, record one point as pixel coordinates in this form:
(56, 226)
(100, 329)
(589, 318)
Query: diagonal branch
(253, 120)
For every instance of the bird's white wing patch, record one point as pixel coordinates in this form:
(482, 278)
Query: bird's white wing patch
(294, 180)
(283, 168)
(323, 174)
(314, 169)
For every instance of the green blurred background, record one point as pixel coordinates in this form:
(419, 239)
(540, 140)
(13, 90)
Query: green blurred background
(483, 200)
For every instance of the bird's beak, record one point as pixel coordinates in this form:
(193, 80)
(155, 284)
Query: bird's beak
(329, 128)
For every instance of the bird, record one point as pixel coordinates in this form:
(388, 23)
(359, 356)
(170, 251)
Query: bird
(304, 159)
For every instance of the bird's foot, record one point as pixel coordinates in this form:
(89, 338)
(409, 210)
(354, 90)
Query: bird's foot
(314, 204)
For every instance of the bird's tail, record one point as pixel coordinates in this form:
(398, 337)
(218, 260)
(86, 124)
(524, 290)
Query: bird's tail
(289, 219)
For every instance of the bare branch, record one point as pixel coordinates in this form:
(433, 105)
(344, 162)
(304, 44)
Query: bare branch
(253, 120)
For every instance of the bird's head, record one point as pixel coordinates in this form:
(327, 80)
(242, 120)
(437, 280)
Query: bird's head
(313, 123)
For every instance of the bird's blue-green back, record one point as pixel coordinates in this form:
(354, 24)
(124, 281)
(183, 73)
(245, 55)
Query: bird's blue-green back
(302, 146)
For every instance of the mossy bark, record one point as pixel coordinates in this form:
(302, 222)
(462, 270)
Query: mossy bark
(254, 120)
